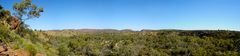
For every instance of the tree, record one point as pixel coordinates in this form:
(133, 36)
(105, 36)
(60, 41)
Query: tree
(27, 10)
(1, 7)
(24, 10)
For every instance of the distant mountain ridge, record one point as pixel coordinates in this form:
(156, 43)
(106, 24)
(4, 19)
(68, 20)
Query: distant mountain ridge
(128, 30)
(199, 33)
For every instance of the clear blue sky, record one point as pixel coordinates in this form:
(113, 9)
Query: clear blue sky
(136, 14)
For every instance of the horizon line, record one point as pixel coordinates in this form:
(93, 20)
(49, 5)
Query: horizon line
(129, 29)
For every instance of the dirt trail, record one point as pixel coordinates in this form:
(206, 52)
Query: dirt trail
(11, 52)
(18, 52)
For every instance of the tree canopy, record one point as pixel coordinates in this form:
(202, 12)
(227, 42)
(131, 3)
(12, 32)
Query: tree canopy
(27, 9)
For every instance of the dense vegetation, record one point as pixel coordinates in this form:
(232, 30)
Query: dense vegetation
(14, 34)
(146, 42)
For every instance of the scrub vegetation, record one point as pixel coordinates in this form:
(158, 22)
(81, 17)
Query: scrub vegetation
(17, 39)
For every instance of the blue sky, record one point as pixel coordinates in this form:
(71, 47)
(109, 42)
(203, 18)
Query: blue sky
(135, 14)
